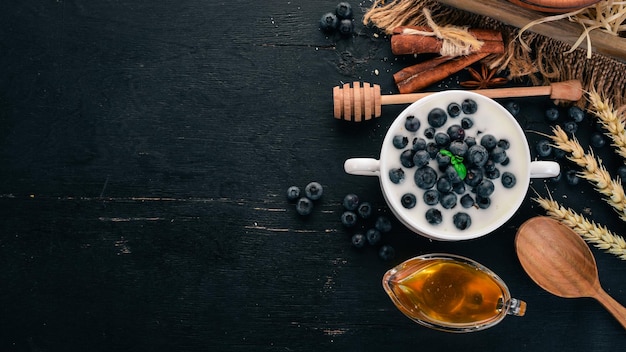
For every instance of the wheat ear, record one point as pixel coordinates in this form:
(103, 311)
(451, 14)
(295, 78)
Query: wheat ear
(591, 232)
(610, 120)
(592, 170)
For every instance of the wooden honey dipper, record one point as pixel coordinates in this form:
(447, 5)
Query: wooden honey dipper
(363, 102)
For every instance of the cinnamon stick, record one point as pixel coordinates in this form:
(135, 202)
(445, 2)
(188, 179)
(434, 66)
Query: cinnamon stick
(407, 44)
(411, 79)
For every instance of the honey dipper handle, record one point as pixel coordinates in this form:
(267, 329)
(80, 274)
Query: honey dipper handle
(617, 310)
(568, 90)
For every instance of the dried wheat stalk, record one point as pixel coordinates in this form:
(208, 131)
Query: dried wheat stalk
(591, 232)
(610, 120)
(592, 170)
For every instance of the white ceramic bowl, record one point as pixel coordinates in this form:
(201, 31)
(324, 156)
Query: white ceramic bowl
(489, 118)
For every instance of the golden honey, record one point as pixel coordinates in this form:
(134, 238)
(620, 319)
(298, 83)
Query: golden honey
(449, 292)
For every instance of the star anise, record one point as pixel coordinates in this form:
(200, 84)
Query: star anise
(484, 79)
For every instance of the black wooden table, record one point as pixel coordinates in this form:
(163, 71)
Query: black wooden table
(145, 152)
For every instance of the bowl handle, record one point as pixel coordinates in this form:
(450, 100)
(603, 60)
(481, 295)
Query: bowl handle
(544, 169)
(362, 166)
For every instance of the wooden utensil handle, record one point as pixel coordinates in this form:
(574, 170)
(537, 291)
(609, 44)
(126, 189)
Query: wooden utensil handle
(614, 307)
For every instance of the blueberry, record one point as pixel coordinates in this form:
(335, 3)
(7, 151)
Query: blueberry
(351, 201)
(558, 153)
(477, 155)
(462, 221)
(442, 160)
(314, 190)
(364, 210)
(359, 240)
(386, 252)
(488, 141)
(621, 172)
(570, 127)
(557, 178)
(344, 10)
(458, 187)
(469, 106)
(483, 202)
(329, 22)
(293, 193)
(458, 148)
(504, 144)
(433, 216)
(425, 177)
(419, 144)
(467, 201)
(406, 158)
(383, 224)
(432, 148)
(408, 200)
(448, 200)
(400, 141)
(346, 26)
(437, 117)
(576, 114)
(421, 158)
(492, 174)
(456, 132)
(304, 206)
(508, 179)
(431, 197)
(373, 236)
(467, 123)
(552, 114)
(485, 188)
(474, 176)
(412, 124)
(544, 149)
(597, 140)
(444, 185)
(442, 139)
(454, 109)
(470, 141)
(349, 219)
(512, 107)
(498, 154)
(396, 175)
(572, 177)
(430, 132)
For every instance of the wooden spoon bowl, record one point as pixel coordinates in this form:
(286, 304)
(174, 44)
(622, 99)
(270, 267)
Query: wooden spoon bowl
(560, 262)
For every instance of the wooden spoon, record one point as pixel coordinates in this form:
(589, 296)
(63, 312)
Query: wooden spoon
(559, 261)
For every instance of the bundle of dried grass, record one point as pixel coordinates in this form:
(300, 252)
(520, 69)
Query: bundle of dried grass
(548, 61)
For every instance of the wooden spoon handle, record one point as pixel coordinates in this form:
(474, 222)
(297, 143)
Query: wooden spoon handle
(616, 309)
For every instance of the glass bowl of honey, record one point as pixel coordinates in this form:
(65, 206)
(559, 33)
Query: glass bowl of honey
(450, 293)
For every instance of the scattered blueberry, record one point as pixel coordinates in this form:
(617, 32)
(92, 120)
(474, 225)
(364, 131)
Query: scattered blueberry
(443, 160)
(442, 139)
(348, 218)
(344, 10)
(406, 158)
(483, 202)
(444, 185)
(543, 147)
(552, 114)
(508, 179)
(470, 141)
(512, 107)
(576, 114)
(408, 200)
(365, 210)
(469, 106)
(462, 221)
(448, 200)
(597, 140)
(419, 144)
(304, 206)
(456, 133)
(329, 22)
(359, 240)
(293, 193)
(570, 127)
(431, 197)
(433, 216)
(400, 141)
(429, 132)
(621, 172)
(386, 252)
(498, 154)
(467, 201)
(488, 141)
(425, 177)
(458, 187)
(421, 158)
(314, 190)
(437, 117)
(396, 175)
(454, 109)
(373, 236)
(467, 123)
(412, 124)
(346, 26)
(474, 176)
(458, 148)
(485, 188)
(351, 201)
(383, 224)
(572, 177)
(478, 155)
(504, 144)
